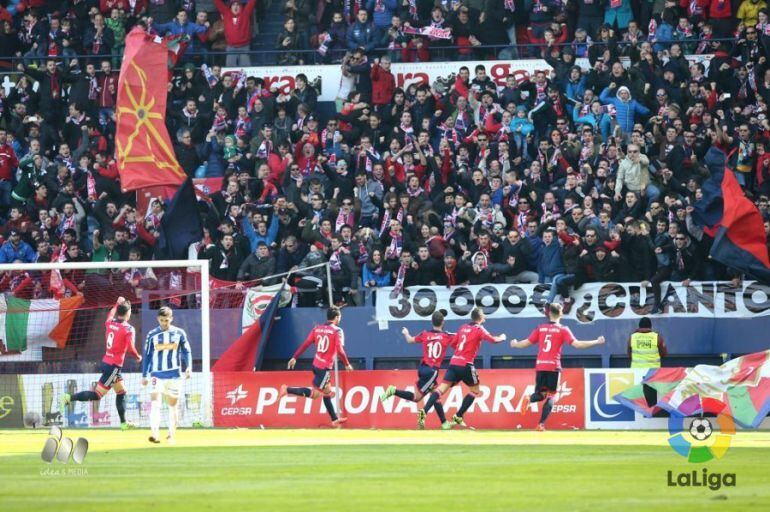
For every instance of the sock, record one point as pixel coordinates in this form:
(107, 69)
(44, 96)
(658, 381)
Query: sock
(432, 399)
(547, 406)
(299, 391)
(406, 395)
(440, 412)
(155, 417)
(120, 405)
(85, 396)
(173, 411)
(330, 408)
(467, 402)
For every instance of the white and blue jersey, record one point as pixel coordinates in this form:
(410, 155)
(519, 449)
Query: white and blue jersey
(166, 353)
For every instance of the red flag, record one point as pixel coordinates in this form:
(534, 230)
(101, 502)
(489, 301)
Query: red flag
(742, 220)
(145, 154)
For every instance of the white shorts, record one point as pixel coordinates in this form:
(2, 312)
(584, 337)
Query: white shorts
(168, 387)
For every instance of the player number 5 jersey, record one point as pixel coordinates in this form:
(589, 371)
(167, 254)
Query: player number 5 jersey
(550, 339)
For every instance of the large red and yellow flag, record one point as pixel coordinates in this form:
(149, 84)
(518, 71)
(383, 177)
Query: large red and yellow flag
(145, 154)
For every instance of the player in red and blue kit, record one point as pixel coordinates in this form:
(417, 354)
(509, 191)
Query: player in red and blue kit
(550, 338)
(466, 344)
(329, 341)
(119, 338)
(434, 345)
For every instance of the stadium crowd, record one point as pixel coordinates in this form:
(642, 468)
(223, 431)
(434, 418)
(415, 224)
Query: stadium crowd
(575, 176)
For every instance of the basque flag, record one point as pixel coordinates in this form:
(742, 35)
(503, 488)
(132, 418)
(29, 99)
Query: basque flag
(245, 353)
(735, 224)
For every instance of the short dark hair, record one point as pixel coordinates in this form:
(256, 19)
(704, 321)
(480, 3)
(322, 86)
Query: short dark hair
(554, 309)
(645, 323)
(476, 314)
(332, 313)
(438, 318)
(122, 310)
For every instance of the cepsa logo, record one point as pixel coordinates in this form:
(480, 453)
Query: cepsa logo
(235, 396)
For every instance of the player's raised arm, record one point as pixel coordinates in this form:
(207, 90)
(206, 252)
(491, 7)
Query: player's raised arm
(520, 344)
(114, 309)
(487, 336)
(588, 343)
(308, 341)
(408, 337)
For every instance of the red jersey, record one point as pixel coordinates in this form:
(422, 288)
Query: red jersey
(119, 339)
(551, 337)
(329, 340)
(467, 342)
(434, 344)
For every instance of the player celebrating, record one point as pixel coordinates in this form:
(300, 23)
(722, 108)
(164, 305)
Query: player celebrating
(119, 340)
(466, 345)
(434, 345)
(166, 355)
(329, 340)
(550, 337)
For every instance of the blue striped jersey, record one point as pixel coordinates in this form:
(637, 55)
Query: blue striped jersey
(166, 353)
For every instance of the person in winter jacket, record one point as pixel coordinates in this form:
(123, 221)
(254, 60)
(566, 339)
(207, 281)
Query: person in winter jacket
(627, 109)
(362, 33)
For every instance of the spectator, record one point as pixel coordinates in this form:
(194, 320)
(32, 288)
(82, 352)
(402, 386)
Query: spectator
(237, 23)
(15, 249)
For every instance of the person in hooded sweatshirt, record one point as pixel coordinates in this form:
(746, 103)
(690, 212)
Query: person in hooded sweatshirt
(627, 109)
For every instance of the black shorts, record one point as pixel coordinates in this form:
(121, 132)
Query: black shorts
(546, 381)
(321, 378)
(427, 376)
(466, 374)
(110, 374)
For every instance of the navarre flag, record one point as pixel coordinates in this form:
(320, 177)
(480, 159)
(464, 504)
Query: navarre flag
(181, 225)
(145, 155)
(28, 325)
(739, 388)
(735, 224)
(245, 354)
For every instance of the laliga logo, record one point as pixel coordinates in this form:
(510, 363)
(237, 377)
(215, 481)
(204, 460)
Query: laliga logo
(62, 448)
(702, 450)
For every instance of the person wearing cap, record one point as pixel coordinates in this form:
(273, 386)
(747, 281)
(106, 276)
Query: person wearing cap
(645, 346)
(16, 249)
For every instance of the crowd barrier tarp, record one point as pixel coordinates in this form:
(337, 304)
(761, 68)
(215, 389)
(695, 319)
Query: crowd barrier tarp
(244, 399)
(326, 78)
(593, 301)
(603, 412)
(43, 393)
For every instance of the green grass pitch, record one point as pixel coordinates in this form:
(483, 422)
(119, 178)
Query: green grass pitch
(327, 470)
